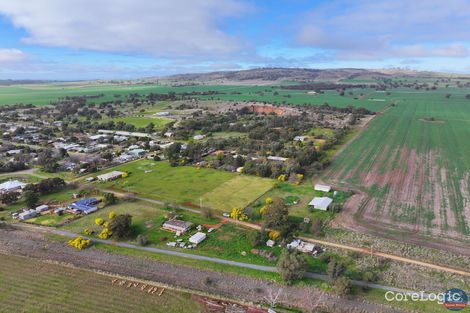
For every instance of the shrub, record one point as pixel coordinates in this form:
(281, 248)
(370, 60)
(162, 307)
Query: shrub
(79, 243)
(142, 240)
(274, 235)
(88, 231)
(112, 215)
(105, 234)
(238, 214)
(343, 286)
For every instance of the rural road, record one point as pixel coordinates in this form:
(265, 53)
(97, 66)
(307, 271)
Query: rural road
(374, 253)
(203, 258)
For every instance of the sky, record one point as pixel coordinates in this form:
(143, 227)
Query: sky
(126, 39)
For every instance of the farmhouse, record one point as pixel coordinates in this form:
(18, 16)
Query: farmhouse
(11, 185)
(301, 246)
(321, 203)
(85, 206)
(323, 188)
(110, 176)
(177, 226)
(197, 238)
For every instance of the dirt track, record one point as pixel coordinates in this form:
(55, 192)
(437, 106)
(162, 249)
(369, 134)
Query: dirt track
(18, 242)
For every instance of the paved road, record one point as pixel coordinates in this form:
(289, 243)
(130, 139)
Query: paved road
(203, 258)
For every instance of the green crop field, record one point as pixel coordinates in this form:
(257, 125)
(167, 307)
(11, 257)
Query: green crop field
(32, 286)
(189, 185)
(44, 94)
(414, 162)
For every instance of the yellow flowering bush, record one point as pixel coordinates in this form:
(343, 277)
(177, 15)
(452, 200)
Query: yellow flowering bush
(79, 243)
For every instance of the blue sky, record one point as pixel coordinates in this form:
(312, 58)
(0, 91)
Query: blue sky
(105, 39)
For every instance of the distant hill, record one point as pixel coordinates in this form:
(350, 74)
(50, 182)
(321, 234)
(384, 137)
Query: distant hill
(9, 82)
(270, 75)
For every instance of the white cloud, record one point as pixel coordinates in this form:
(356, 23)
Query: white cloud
(11, 55)
(377, 29)
(160, 28)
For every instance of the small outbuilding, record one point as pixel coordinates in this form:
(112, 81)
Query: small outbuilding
(321, 203)
(42, 208)
(26, 215)
(197, 238)
(110, 176)
(324, 188)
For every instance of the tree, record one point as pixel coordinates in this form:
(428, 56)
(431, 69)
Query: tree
(335, 269)
(121, 226)
(291, 265)
(343, 286)
(110, 198)
(276, 214)
(10, 197)
(48, 161)
(31, 199)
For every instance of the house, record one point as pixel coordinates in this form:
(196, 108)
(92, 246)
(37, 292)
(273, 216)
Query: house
(300, 138)
(168, 134)
(302, 246)
(42, 208)
(162, 113)
(177, 226)
(277, 159)
(110, 176)
(26, 215)
(199, 137)
(85, 206)
(11, 185)
(137, 152)
(321, 203)
(323, 188)
(197, 238)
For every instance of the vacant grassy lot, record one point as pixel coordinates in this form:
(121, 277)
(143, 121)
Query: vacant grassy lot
(414, 161)
(31, 286)
(189, 185)
(239, 191)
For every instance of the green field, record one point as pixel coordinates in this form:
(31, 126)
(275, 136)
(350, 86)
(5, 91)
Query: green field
(414, 161)
(32, 286)
(44, 94)
(189, 185)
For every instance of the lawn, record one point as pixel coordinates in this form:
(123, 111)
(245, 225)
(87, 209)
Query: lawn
(55, 288)
(297, 198)
(188, 185)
